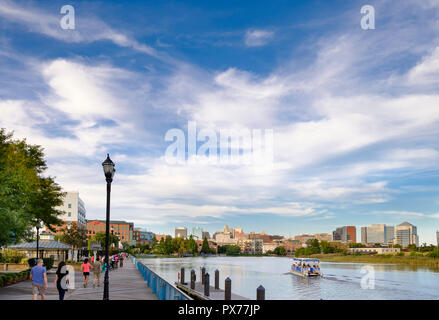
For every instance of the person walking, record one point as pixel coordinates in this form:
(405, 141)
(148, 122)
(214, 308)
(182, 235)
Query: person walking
(86, 271)
(121, 261)
(116, 260)
(112, 262)
(97, 272)
(60, 282)
(38, 275)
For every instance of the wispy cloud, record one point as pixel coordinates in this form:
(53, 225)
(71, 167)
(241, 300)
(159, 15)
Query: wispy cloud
(257, 38)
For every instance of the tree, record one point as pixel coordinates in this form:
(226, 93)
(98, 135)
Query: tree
(74, 236)
(222, 249)
(280, 251)
(299, 252)
(182, 249)
(357, 245)
(233, 250)
(205, 247)
(313, 247)
(27, 198)
(101, 236)
(191, 245)
(168, 249)
(326, 247)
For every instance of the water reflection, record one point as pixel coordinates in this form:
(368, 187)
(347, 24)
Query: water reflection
(340, 280)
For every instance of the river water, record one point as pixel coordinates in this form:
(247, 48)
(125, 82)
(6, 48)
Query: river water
(340, 280)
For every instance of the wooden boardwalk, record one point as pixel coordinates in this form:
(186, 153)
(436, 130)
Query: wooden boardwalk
(125, 284)
(214, 294)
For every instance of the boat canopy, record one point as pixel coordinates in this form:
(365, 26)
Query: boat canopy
(306, 260)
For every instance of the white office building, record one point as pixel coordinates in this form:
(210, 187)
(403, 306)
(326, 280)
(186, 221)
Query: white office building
(180, 232)
(74, 209)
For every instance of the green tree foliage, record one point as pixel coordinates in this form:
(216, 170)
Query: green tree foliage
(233, 250)
(27, 198)
(100, 237)
(280, 251)
(74, 236)
(326, 247)
(205, 247)
(168, 245)
(357, 245)
(313, 247)
(191, 245)
(145, 248)
(299, 252)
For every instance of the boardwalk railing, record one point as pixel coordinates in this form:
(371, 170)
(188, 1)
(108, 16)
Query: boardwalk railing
(160, 287)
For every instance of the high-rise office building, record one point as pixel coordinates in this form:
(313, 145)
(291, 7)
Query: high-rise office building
(74, 212)
(406, 234)
(74, 209)
(197, 233)
(345, 234)
(377, 233)
(205, 234)
(390, 234)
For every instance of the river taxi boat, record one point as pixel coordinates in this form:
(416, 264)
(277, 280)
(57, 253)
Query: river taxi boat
(306, 267)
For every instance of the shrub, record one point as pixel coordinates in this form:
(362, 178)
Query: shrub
(10, 278)
(47, 262)
(11, 256)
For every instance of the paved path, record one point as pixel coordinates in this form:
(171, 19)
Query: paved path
(125, 284)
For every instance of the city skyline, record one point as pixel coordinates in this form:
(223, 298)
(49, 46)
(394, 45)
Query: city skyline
(353, 111)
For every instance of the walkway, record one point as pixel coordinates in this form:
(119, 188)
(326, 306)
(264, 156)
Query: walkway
(125, 284)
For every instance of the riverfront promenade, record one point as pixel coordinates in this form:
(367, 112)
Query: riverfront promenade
(125, 284)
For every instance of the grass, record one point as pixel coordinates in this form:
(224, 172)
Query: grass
(412, 260)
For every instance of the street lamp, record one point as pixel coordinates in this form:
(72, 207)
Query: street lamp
(109, 171)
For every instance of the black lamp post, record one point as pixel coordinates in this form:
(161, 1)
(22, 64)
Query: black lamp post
(109, 171)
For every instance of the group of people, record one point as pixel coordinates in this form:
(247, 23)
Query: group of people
(38, 274)
(307, 267)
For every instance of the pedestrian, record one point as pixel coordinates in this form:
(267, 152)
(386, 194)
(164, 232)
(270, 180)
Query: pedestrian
(116, 259)
(97, 272)
(112, 262)
(121, 261)
(60, 282)
(86, 271)
(38, 275)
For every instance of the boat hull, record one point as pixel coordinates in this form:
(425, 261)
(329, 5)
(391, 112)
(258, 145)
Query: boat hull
(305, 274)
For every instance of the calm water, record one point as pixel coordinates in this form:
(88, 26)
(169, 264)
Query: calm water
(340, 280)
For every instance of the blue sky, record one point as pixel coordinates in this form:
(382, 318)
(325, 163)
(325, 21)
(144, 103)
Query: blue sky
(354, 112)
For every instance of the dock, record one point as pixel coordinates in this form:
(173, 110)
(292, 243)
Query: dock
(125, 284)
(214, 294)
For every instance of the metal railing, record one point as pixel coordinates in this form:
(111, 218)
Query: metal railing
(160, 287)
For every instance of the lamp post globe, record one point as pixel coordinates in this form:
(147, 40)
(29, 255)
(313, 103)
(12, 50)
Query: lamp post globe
(109, 171)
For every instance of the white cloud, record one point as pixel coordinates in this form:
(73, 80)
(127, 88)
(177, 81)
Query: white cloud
(92, 29)
(425, 72)
(257, 38)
